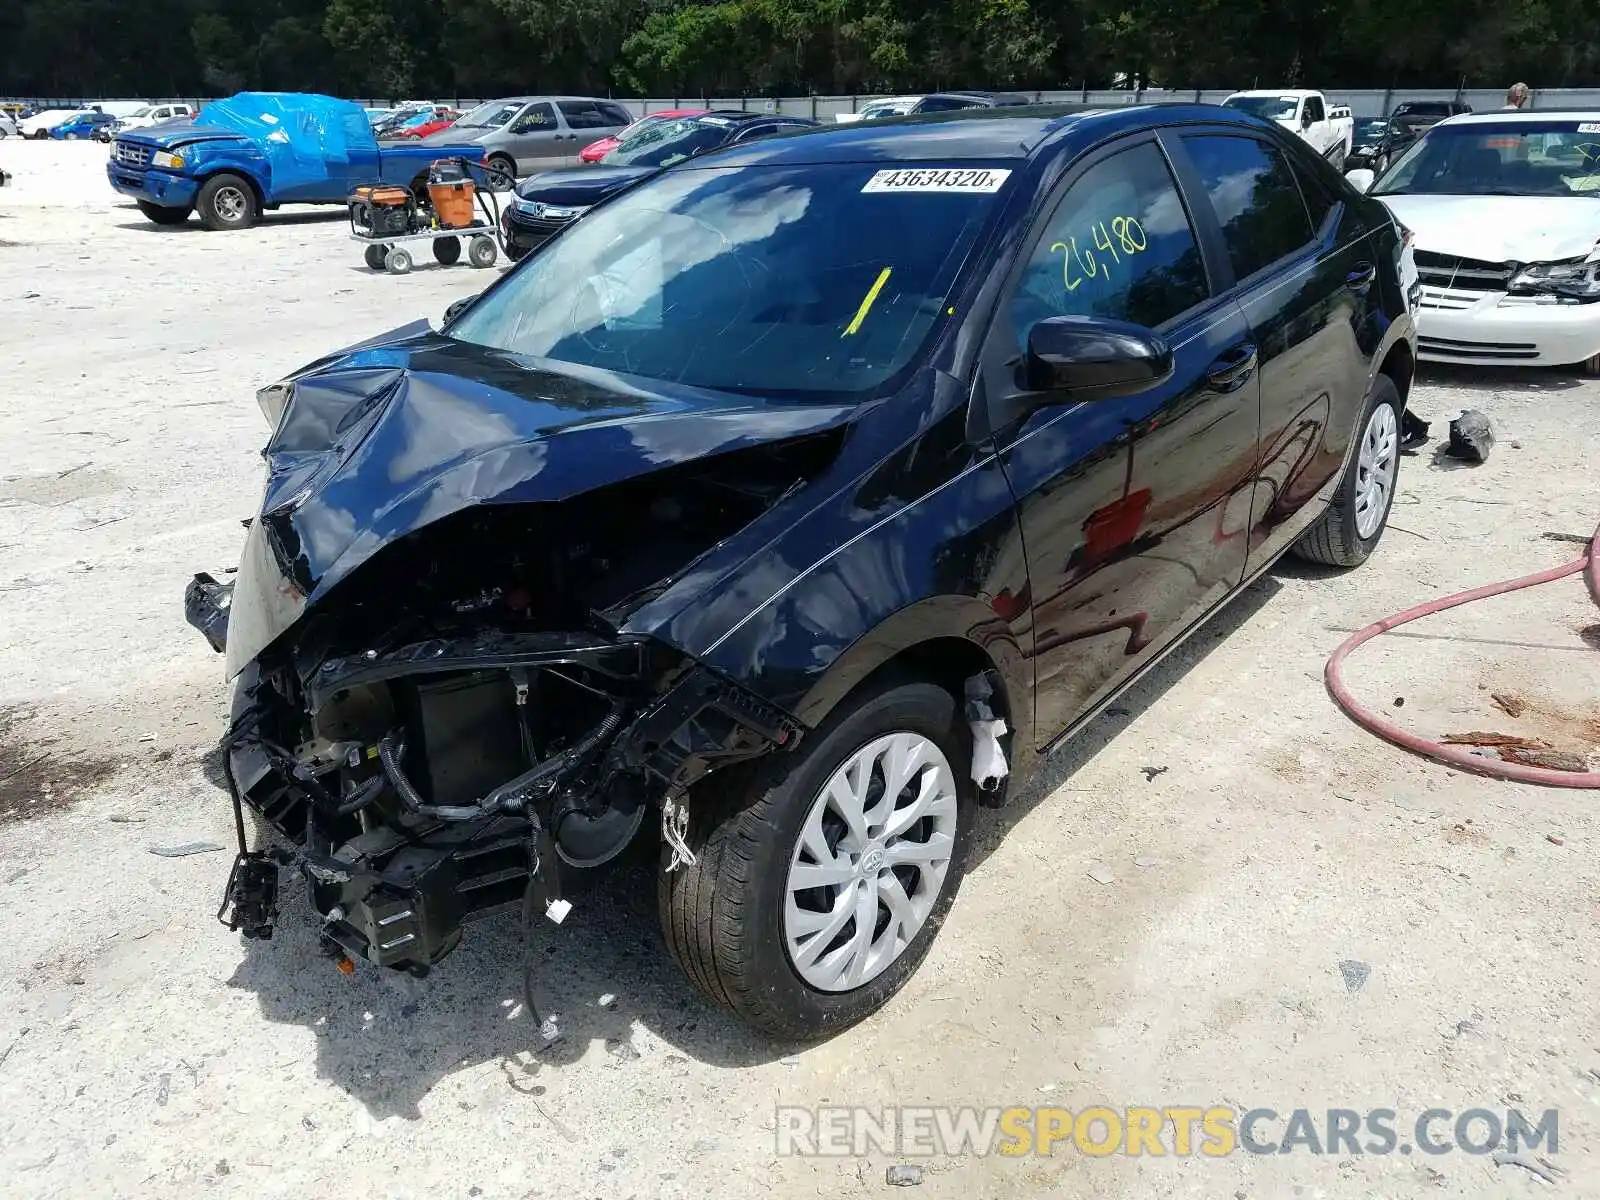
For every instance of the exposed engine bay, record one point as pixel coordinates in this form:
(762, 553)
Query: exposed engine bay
(461, 721)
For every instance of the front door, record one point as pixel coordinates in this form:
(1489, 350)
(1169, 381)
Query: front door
(1133, 510)
(534, 138)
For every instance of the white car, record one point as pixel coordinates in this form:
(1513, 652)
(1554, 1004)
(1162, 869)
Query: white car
(41, 123)
(889, 106)
(1504, 208)
(8, 125)
(155, 114)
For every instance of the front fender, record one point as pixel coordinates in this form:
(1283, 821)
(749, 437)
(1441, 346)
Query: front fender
(936, 618)
(242, 160)
(807, 619)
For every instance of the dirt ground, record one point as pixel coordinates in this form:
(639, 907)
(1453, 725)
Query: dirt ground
(1296, 914)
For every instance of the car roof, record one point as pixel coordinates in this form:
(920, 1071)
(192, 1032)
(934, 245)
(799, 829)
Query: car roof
(969, 134)
(558, 99)
(969, 95)
(1523, 116)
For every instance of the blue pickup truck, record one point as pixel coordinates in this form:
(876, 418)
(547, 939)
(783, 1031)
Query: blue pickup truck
(257, 151)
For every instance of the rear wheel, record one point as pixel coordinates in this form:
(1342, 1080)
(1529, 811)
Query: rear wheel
(1349, 531)
(398, 261)
(227, 202)
(161, 214)
(375, 256)
(502, 173)
(822, 877)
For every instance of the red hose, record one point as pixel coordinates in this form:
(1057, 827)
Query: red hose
(1588, 563)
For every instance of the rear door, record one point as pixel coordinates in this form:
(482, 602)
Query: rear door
(1303, 273)
(533, 138)
(1133, 509)
(587, 121)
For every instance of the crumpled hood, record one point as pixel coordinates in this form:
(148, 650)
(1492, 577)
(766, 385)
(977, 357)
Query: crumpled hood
(380, 442)
(581, 186)
(1521, 229)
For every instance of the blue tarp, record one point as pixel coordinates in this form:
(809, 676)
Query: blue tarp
(300, 133)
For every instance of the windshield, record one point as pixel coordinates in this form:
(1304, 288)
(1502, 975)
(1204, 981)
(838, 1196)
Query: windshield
(1272, 108)
(142, 112)
(1543, 158)
(808, 281)
(491, 115)
(667, 143)
(1371, 129)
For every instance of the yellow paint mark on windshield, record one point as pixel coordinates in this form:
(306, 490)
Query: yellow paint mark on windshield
(867, 301)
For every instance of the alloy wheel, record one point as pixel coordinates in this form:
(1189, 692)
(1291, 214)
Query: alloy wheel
(231, 204)
(870, 861)
(1376, 466)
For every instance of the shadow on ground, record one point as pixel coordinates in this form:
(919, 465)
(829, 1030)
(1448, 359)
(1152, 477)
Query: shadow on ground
(1498, 379)
(268, 221)
(388, 1040)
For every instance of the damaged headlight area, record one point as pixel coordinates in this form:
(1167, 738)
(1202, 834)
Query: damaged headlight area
(1576, 281)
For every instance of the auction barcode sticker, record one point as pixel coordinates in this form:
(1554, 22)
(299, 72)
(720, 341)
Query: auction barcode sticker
(937, 179)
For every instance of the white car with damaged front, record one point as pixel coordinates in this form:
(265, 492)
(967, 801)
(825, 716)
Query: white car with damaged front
(1505, 211)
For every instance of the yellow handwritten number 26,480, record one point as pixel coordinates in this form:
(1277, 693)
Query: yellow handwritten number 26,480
(1123, 239)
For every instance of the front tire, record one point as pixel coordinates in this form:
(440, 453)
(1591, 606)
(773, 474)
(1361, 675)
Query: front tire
(822, 877)
(227, 202)
(1349, 531)
(161, 214)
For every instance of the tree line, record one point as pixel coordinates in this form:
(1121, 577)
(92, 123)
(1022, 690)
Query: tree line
(484, 48)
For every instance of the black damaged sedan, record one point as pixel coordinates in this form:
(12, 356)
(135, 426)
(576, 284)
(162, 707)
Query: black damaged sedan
(787, 509)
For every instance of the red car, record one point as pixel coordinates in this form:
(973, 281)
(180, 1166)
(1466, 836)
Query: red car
(595, 151)
(440, 120)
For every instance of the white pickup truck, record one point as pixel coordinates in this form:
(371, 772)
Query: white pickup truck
(1328, 128)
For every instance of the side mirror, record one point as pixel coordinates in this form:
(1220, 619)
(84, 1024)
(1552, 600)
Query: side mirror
(459, 307)
(1360, 179)
(1095, 358)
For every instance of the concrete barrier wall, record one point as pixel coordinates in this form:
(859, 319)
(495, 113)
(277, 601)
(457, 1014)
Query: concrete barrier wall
(1367, 102)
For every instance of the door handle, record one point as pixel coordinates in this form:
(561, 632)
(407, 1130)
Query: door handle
(1234, 368)
(1361, 277)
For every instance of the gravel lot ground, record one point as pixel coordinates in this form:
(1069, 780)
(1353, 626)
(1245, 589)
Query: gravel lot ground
(145, 1051)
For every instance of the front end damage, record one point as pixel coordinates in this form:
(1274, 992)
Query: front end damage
(439, 706)
(436, 782)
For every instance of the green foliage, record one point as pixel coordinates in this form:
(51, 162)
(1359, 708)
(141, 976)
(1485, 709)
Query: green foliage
(394, 48)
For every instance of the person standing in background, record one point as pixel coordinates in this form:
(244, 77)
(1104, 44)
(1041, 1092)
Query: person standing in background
(1518, 95)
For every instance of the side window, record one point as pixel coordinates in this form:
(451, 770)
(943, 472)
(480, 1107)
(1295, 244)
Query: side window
(1256, 199)
(583, 114)
(1314, 107)
(750, 135)
(943, 104)
(535, 117)
(1119, 244)
(615, 114)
